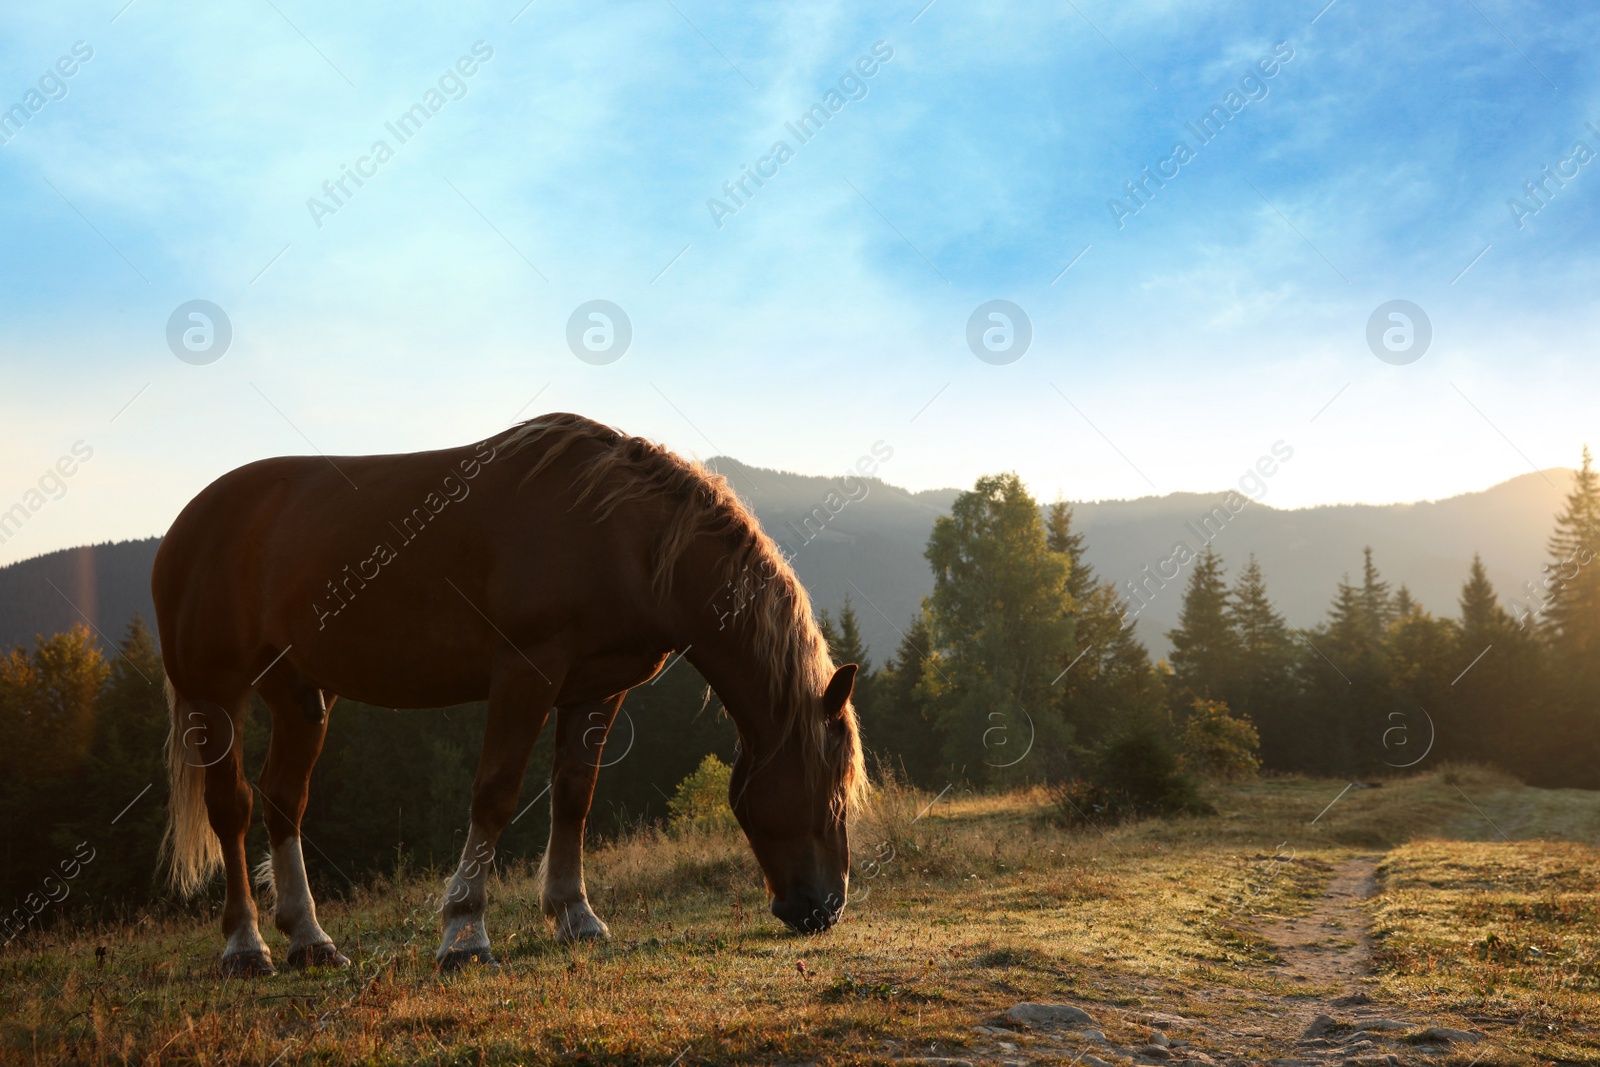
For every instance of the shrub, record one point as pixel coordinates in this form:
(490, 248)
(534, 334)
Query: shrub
(701, 800)
(1217, 744)
(1134, 774)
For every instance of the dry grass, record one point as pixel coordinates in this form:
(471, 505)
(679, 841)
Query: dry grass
(1504, 933)
(960, 909)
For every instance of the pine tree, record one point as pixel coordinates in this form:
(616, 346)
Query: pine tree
(126, 778)
(1498, 710)
(1205, 649)
(846, 646)
(1105, 680)
(1060, 537)
(1263, 686)
(830, 634)
(851, 648)
(1572, 586)
(1572, 635)
(1377, 607)
(1422, 662)
(899, 726)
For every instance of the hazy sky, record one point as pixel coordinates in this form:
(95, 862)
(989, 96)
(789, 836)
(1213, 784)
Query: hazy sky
(795, 323)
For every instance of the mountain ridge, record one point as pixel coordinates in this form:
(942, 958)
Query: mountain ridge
(869, 546)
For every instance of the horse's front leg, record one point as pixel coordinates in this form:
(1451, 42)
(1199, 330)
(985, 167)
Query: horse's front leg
(520, 697)
(581, 731)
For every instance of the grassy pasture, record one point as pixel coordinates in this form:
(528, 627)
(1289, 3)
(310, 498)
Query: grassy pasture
(1487, 916)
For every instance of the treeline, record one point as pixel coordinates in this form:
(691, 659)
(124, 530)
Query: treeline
(1021, 648)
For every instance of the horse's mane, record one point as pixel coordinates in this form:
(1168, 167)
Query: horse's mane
(773, 607)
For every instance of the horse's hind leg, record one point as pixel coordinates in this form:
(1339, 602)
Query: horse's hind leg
(297, 736)
(519, 703)
(216, 739)
(581, 731)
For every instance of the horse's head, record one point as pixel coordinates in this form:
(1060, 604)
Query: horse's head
(792, 799)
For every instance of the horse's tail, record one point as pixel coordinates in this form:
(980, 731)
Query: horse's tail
(190, 848)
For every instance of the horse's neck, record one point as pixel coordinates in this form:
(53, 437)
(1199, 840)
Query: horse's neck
(722, 647)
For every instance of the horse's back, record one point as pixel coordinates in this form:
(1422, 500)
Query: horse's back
(205, 579)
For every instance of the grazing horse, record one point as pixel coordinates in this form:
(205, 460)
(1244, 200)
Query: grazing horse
(557, 564)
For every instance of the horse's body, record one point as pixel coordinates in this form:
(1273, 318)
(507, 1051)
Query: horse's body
(558, 564)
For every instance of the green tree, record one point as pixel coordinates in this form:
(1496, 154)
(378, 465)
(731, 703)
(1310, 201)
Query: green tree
(899, 725)
(1001, 614)
(701, 799)
(49, 703)
(1571, 584)
(1205, 648)
(1571, 629)
(1422, 662)
(1263, 685)
(1378, 608)
(1499, 713)
(1218, 744)
(1105, 679)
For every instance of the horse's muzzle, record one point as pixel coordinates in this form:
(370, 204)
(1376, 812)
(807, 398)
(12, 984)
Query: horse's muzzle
(805, 913)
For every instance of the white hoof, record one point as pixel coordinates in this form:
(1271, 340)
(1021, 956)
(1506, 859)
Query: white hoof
(578, 922)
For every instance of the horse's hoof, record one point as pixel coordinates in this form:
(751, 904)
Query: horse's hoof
(248, 965)
(457, 958)
(588, 931)
(322, 955)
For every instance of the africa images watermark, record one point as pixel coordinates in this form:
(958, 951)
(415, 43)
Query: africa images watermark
(52, 87)
(52, 485)
(1252, 486)
(451, 490)
(1542, 190)
(1556, 575)
(852, 86)
(452, 85)
(53, 890)
(1252, 88)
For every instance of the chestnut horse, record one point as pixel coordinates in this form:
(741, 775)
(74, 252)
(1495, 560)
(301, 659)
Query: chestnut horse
(557, 564)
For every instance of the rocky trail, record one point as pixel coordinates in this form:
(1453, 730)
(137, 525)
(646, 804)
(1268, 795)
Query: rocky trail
(1329, 948)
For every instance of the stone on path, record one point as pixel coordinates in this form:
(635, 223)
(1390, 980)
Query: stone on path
(1447, 1034)
(1063, 1015)
(1319, 1026)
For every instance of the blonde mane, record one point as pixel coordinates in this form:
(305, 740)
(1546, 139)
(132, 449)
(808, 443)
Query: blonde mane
(773, 608)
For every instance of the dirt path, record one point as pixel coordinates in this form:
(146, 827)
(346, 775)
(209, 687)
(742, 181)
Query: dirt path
(1332, 946)
(1329, 950)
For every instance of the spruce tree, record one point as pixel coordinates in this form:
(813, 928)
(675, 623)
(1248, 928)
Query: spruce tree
(1105, 680)
(1572, 633)
(1263, 685)
(846, 646)
(899, 726)
(1205, 649)
(1572, 583)
(1499, 711)
(1378, 608)
(850, 647)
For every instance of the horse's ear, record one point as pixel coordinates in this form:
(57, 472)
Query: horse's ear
(837, 695)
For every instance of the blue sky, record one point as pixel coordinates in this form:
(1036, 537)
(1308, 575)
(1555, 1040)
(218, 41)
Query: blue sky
(830, 311)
